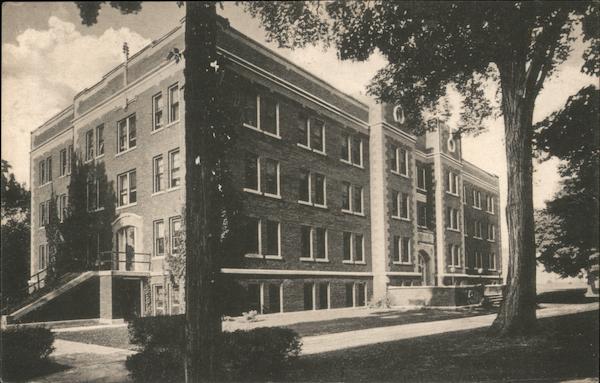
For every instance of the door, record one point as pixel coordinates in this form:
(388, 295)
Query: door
(126, 248)
(424, 268)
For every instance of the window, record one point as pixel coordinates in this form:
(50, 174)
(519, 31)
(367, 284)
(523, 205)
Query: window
(175, 300)
(421, 214)
(42, 257)
(352, 199)
(321, 242)
(69, 158)
(320, 190)
(464, 195)
(174, 169)
(159, 238)
(477, 229)
(63, 162)
(361, 294)
(476, 199)
(176, 235)
(261, 112)
(491, 233)
(346, 143)
(452, 183)
(304, 190)
(252, 172)
(159, 300)
(401, 205)
(306, 242)
(271, 177)
(347, 247)
(49, 168)
(478, 260)
(272, 240)
(254, 297)
(126, 134)
(352, 150)
(400, 161)
(127, 188)
(402, 250)
(452, 218)
(349, 302)
(275, 293)
(454, 255)
(353, 248)
(158, 169)
(89, 145)
(100, 140)
(157, 111)
(62, 207)
(309, 296)
(44, 213)
(93, 193)
(358, 248)
(174, 103)
(489, 204)
(42, 172)
(492, 261)
(324, 295)
(312, 134)
(421, 178)
(251, 237)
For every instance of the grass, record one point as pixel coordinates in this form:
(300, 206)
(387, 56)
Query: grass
(117, 337)
(563, 348)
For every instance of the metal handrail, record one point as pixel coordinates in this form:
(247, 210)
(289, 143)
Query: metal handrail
(115, 262)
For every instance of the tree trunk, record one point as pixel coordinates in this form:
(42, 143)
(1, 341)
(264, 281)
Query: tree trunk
(203, 321)
(517, 313)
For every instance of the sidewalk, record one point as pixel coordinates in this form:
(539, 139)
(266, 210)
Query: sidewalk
(93, 363)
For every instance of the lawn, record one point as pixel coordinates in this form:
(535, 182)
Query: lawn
(111, 337)
(564, 348)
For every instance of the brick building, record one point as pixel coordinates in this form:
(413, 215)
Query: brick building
(341, 200)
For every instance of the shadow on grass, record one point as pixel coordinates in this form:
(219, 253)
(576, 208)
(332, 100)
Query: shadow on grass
(45, 368)
(565, 348)
(565, 296)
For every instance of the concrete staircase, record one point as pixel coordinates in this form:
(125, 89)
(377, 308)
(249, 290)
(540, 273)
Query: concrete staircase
(493, 300)
(45, 295)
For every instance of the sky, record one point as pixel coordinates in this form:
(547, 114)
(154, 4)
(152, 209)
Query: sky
(48, 56)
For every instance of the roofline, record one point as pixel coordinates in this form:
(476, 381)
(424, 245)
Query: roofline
(477, 167)
(52, 119)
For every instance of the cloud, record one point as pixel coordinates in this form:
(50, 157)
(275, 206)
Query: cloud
(42, 72)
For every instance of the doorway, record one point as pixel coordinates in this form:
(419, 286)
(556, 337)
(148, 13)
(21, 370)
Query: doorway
(424, 268)
(126, 248)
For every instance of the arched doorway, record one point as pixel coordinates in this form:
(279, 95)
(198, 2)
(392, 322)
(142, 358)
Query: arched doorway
(424, 268)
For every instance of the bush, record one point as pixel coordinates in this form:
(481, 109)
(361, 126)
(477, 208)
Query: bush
(25, 350)
(259, 354)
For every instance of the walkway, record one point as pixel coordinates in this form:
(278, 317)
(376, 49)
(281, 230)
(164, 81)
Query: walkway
(93, 363)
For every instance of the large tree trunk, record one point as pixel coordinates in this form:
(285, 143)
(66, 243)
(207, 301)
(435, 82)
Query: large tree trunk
(203, 321)
(517, 313)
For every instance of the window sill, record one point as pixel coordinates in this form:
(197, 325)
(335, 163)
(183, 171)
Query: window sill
(490, 212)
(125, 151)
(360, 263)
(402, 263)
(491, 240)
(253, 256)
(307, 203)
(157, 130)
(404, 219)
(277, 136)
(352, 163)
(44, 184)
(452, 194)
(322, 260)
(158, 193)
(452, 229)
(126, 206)
(172, 123)
(158, 257)
(274, 257)
(353, 213)
(304, 259)
(311, 149)
(475, 237)
(275, 196)
(101, 156)
(475, 207)
(421, 190)
(348, 262)
(320, 206)
(98, 209)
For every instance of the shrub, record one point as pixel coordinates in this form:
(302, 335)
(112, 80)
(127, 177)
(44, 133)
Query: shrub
(383, 303)
(25, 350)
(250, 316)
(258, 354)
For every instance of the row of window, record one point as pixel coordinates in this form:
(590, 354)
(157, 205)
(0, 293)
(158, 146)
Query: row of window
(263, 240)
(478, 231)
(45, 166)
(262, 176)
(476, 200)
(175, 239)
(454, 257)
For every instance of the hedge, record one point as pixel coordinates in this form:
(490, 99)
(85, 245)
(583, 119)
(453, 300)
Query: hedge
(25, 350)
(258, 354)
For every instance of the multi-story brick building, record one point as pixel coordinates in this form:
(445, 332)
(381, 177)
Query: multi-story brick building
(341, 199)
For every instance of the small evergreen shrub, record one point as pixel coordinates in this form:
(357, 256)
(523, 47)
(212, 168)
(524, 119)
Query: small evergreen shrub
(258, 354)
(25, 350)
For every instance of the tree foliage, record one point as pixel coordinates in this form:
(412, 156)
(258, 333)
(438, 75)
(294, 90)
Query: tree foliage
(568, 228)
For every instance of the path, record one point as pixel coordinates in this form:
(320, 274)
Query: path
(93, 363)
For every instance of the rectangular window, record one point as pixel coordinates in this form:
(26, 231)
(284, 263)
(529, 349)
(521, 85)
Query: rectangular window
(69, 158)
(42, 257)
(275, 293)
(400, 161)
(254, 297)
(302, 123)
(349, 301)
(347, 246)
(127, 188)
(421, 214)
(358, 248)
(478, 229)
(396, 202)
(361, 294)
(321, 242)
(320, 190)
(402, 250)
(100, 140)
(251, 236)
(175, 300)
(42, 172)
(174, 169)
(272, 240)
(89, 145)
(346, 195)
(63, 207)
(421, 178)
(158, 170)
(269, 111)
(304, 190)
(317, 135)
(43, 214)
(478, 260)
(491, 232)
(174, 103)
(404, 211)
(305, 242)
(452, 217)
(476, 199)
(464, 195)
(126, 134)
(271, 177)
(357, 149)
(159, 238)
(454, 255)
(345, 152)
(357, 199)
(157, 111)
(309, 295)
(159, 300)
(323, 295)
(63, 162)
(252, 172)
(492, 264)
(452, 183)
(489, 204)
(175, 235)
